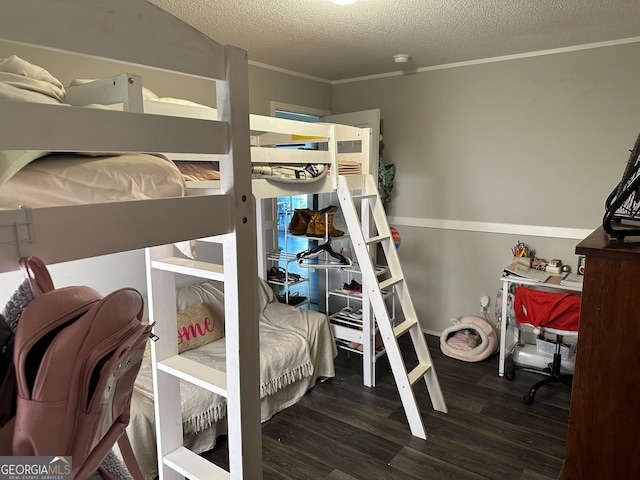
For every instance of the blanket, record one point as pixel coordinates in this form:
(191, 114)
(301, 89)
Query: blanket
(281, 327)
(289, 348)
(69, 179)
(24, 82)
(284, 359)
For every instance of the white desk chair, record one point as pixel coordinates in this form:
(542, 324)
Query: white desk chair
(553, 371)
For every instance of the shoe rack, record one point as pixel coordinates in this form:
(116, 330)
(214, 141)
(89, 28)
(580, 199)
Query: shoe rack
(344, 299)
(350, 323)
(284, 269)
(281, 275)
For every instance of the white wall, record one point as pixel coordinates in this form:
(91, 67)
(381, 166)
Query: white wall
(486, 154)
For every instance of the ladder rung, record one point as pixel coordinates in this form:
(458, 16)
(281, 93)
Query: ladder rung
(186, 266)
(418, 372)
(378, 239)
(192, 465)
(365, 195)
(389, 282)
(196, 373)
(404, 327)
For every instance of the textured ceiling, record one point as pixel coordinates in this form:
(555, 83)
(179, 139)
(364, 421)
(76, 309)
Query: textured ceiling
(334, 42)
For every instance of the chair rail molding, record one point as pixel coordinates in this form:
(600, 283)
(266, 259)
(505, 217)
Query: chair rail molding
(495, 228)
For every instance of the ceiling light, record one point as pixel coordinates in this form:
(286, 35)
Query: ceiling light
(343, 2)
(401, 58)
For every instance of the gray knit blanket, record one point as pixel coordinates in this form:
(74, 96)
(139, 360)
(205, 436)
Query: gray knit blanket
(114, 467)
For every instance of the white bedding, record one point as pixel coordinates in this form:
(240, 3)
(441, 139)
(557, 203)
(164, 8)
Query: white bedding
(76, 179)
(21, 81)
(39, 178)
(296, 348)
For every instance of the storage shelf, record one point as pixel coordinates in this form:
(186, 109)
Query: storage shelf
(190, 267)
(337, 292)
(344, 345)
(379, 269)
(286, 280)
(290, 283)
(279, 256)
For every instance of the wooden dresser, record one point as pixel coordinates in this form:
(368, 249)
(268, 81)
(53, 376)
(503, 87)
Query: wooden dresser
(603, 441)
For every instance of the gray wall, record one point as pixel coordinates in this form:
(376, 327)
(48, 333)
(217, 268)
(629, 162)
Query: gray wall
(487, 154)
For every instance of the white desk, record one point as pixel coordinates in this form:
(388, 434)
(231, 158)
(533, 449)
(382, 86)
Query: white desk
(553, 283)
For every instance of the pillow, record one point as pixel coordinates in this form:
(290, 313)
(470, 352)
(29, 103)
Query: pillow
(197, 326)
(210, 292)
(27, 77)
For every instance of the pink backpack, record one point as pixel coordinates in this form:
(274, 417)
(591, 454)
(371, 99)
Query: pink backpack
(76, 355)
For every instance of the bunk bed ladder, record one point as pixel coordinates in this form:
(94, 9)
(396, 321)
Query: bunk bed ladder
(240, 386)
(365, 241)
(170, 368)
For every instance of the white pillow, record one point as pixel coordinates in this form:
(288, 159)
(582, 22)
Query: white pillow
(25, 76)
(210, 292)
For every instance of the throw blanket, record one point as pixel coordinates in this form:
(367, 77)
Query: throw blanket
(287, 350)
(284, 359)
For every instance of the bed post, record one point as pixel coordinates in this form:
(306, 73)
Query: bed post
(241, 270)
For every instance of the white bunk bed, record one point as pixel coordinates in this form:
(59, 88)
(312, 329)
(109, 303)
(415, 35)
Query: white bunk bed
(90, 219)
(343, 149)
(136, 32)
(125, 92)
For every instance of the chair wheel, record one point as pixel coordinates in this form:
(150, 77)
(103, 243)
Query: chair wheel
(527, 399)
(510, 376)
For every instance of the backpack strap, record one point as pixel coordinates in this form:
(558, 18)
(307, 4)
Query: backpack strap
(129, 457)
(37, 274)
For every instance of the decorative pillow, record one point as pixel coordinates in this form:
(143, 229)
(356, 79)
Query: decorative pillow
(197, 326)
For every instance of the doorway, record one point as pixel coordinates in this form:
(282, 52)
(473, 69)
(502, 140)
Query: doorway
(285, 208)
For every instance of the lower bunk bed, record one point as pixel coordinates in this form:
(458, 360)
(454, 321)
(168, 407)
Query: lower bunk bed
(296, 350)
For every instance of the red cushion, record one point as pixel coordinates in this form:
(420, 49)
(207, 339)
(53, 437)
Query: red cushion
(549, 309)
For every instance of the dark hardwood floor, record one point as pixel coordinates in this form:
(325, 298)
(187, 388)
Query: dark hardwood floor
(342, 430)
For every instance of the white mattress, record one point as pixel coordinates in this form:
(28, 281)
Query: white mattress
(69, 179)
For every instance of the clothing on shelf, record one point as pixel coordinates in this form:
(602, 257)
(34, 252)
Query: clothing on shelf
(289, 173)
